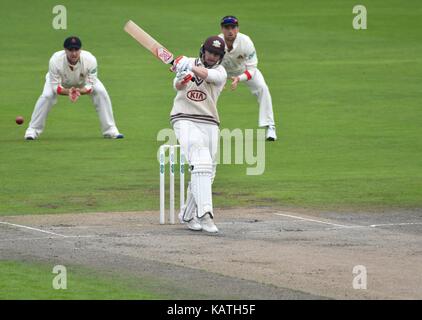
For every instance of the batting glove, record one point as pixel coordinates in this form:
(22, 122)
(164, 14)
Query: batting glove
(182, 63)
(184, 76)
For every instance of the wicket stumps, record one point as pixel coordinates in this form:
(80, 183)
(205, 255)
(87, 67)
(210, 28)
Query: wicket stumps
(172, 163)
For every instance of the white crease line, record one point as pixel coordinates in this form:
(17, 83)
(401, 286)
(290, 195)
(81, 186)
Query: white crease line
(394, 224)
(45, 238)
(318, 221)
(352, 226)
(34, 229)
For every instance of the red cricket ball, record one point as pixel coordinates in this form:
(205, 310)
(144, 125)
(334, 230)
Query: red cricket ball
(19, 120)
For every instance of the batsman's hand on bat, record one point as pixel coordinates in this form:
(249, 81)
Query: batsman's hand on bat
(181, 63)
(184, 76)
(74, 94)
(235, 82)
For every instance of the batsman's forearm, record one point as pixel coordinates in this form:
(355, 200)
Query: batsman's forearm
(179, 85)
(200, 72)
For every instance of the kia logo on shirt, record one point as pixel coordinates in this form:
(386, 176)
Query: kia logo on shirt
(196, 95)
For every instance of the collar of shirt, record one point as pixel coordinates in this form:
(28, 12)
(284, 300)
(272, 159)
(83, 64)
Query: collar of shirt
(198, 62)
(235, 43)
(75, 66)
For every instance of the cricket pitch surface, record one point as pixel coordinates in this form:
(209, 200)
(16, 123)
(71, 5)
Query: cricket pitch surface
(259, 253)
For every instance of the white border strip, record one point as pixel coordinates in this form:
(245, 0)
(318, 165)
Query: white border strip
(34, 229)
(350, 226)
(313, 220)
(46, 238)
(394, 224)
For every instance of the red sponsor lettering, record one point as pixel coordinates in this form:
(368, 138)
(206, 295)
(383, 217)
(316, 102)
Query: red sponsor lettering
(196, 95)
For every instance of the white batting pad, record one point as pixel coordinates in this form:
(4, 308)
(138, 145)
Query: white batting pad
(201, 176)
(190, 207)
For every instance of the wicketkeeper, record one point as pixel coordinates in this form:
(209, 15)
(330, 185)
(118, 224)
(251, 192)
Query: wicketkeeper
(72, 72)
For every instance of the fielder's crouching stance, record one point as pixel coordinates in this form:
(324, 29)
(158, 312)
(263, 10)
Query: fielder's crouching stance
(73, 72)
(195, 122)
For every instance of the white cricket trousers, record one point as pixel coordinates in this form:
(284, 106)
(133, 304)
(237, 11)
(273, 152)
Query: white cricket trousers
(48, 98)
(194, 135)
(259, 88)
(199, 143)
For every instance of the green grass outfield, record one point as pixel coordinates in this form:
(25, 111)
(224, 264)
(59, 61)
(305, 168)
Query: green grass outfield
(23, 280)
(347, 105)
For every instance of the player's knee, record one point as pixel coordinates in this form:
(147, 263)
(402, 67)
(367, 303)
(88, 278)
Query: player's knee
(261, 92)
(201, 160)
(263, 89)
(49, 95)
(98, 91)
(97, 88)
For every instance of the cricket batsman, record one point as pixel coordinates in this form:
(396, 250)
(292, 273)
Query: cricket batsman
(195, 121)
(72, 72)
(240, 62)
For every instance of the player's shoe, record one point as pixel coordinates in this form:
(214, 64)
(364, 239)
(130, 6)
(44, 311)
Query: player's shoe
(116, 136)
(208, 224)
(29, 138)
(194, 224)
(271, 135)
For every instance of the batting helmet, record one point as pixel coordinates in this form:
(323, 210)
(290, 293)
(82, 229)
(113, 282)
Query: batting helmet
(215, 45)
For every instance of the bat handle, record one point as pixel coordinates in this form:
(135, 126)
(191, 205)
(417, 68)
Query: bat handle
(171, 70)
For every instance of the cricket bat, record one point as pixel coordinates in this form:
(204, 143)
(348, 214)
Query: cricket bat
(148, 42)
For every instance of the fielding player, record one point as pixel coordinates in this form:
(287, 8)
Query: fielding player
(240, 62)
(195, 121)
(72, 72)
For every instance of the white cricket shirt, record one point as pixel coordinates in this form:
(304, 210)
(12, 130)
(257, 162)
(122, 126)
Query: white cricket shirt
(241, 58)
(197, 101)
(83, 74)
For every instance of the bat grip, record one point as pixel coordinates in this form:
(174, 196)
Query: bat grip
(172, 61)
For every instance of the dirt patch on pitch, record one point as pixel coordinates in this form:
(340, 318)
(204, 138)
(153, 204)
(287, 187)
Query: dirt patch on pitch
(260, 253)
